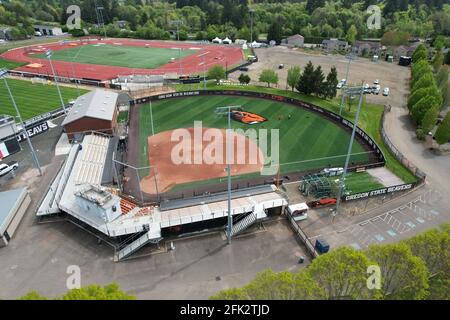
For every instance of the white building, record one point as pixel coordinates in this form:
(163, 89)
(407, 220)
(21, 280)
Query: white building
(47, 30)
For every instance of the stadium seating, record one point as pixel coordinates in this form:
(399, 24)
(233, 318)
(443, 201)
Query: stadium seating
(95, 148)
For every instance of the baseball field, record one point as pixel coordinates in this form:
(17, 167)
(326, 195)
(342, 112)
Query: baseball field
(307, 141)
(34, 99)
(119, 55)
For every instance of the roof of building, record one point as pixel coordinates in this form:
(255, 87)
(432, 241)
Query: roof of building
(98, 104)
(369, 43)
(334, 41)
(295, 36)
(9, 200)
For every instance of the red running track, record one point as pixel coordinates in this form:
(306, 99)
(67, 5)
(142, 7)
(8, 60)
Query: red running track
(205, 57)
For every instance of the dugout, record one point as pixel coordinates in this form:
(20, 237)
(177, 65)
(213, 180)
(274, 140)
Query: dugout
(14, 205)
(93, 111)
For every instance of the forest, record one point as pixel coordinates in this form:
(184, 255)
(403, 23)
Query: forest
(206, 19)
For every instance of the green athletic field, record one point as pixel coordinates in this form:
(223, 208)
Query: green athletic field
(120, 56)
(33, 99)
(307, 140)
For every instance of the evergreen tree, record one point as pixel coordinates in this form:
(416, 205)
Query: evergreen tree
(305, 84)
(318, 81)
(331, 83)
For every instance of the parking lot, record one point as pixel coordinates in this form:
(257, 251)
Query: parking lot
(361, 70)
(412, 217)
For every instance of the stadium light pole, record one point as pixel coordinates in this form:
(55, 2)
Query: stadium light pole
(3, 74)
(350, 57)
(350, 146)
(228, 142)
(49, 57)
(251, 25)
(177, 23)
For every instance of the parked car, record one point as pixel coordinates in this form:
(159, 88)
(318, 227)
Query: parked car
(376, 81)
(331, 172)
(8, 167)
(339, 85)
(386, 92)
(321, 202)
(377, 89)
(280, 66)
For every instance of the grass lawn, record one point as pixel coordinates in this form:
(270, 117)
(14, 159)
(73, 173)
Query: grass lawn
(369, 120)
(10, 64)
(33, 99)
(121, 56)
(307, 140)
(123, 117)
(357, 182)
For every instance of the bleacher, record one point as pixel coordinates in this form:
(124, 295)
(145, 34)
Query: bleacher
(93, 157)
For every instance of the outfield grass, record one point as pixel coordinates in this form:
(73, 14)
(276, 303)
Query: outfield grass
(121, 56)
(33, 99)
(369, 120)
(306, 141)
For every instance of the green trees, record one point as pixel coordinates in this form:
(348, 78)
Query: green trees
(91, 292)
(275, 31)
(403, 275)
(244, 78)
(417, 268)
(312, 81)
(421, 53)
(422, 106)
(216, 72)
(293, 76)
(268, 76)
(352, 32)
(429, 119)
(349, 275)
(427, 96)
(331, 84)
(96, 292)
(443, 131)
(305, 85)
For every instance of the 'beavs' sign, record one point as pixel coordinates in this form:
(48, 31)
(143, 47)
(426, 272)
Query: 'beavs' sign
(247, 117)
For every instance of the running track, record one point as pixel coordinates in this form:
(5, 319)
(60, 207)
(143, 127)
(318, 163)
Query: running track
(205, 57)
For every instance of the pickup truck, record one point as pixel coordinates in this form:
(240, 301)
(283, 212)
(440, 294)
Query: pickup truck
(8, 167)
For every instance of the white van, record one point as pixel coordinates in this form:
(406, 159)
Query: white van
(298, 211)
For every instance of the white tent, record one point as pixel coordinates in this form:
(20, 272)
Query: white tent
(244, 46)
(227, 41)
(217, 40)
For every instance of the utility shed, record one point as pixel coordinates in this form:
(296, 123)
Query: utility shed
(93, 111)
(14, 204)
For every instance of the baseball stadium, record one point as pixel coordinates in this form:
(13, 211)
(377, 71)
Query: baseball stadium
(306, 138)
(154, 163)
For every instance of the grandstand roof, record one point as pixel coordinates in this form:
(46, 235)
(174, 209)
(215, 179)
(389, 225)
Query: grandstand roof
(98, 104)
